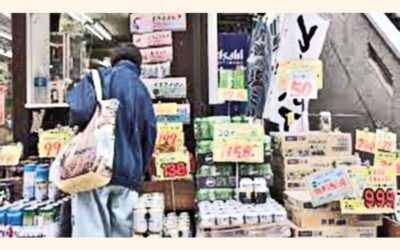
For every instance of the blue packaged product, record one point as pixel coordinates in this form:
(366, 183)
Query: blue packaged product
(41, 182)
(29, 181)
(15, 215)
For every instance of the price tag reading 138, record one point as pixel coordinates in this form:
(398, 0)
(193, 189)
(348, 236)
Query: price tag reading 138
(172, 166)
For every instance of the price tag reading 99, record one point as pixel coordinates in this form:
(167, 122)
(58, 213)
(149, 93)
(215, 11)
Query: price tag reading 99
(51, 142)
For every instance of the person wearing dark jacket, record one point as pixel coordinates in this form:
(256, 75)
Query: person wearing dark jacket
(108, 211)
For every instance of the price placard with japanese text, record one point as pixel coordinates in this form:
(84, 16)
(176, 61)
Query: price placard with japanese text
(167, 108)
(238, 151)
(238, 131)
(385, 141)
(51, 142)
(374, 191)
(174, 165)
(170, 135)
(365, 141)
(10, 154)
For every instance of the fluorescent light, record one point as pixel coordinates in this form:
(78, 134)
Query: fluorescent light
(81, 17)
(94, 32)
(5, 35)
(98, 27)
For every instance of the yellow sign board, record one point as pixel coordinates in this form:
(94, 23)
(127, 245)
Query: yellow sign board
(174, 165)
(10, 154)
(51, 142)
(168, 108)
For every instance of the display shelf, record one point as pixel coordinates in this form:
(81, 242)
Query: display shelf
(46, 105)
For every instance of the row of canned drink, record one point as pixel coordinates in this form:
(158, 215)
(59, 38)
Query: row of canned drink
(177, 226)
(149, 214)
(31, 218)
(234, 213)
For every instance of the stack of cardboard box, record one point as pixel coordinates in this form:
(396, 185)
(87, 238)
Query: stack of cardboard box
(326, 220)
(297, 155)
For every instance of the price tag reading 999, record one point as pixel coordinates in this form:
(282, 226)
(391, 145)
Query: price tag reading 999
(374, 191)
(51, 142)
(172, 166)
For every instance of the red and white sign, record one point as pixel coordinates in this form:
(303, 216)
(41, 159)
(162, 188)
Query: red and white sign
(160, 38)
(157, 55)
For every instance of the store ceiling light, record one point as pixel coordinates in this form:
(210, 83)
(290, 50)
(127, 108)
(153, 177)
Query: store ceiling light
(94, 32)
(99, 28)
(5, 35)
(81, 17)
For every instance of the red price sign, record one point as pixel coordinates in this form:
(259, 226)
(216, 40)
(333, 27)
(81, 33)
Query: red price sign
(379, 198)
(238, 151)
(174, 170)
(170, 135)
(174, 165)
(302, 85)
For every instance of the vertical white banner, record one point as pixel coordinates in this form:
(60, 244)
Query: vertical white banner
(302, 36)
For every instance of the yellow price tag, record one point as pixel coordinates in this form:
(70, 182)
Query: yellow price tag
(287, 67)
(174, 165)
(385, 159)
(238, 131)
(51, 142)
(10, 154)
(166, 108)
(365, 141)
(170, 136)
(385, 141)
(238, 151)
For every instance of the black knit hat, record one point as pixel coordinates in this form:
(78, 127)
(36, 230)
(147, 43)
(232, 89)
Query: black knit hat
(127, 51)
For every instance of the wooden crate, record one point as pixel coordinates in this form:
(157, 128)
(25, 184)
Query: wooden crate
(272, 230)
(390, 228)
(184, 193)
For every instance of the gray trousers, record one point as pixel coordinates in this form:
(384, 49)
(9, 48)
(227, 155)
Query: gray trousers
(104, 212)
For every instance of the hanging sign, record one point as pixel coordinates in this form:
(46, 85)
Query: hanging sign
(385, 159)
(170, 135)
(157, 55)
(374, 191)
(174, 165)
(10, 154)
(232, 53)
(167, 108)
(51, 142)
(365, 141)
(154, 39)
(173, 87)
(385, 141)
(328, 185)
(146, 22)
(238, 142)
(302, 37)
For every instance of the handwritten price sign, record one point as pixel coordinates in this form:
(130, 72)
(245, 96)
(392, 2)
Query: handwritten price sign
(365, 141)
(175, 165)
(51, 142)
(165, 108)
(238, 151)
(172, 87)
(385, 141)
(374, 191)
(228, 94)
(171, 135)
(328, 185)
(238, 131)
(289, 70)
(302, 85)
(10, 154)
(385, 159)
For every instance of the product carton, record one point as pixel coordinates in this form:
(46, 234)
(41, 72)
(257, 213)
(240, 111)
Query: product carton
(314, 143)
(335, 232)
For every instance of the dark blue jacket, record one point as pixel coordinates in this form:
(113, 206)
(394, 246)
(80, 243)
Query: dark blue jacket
(136, 122)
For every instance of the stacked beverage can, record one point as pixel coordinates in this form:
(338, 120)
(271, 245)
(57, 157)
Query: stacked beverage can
(29, 181)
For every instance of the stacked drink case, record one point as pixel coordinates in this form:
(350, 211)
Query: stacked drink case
(149, 216)
(177, 226)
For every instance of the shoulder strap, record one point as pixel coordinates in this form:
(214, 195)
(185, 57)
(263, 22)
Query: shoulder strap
(97, 85)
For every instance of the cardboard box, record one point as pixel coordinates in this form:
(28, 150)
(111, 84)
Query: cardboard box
(301, 200)
(314, 143)
(291, 171)
(390, 228)
(335, 232)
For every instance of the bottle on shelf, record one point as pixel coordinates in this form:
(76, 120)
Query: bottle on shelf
(40, 86)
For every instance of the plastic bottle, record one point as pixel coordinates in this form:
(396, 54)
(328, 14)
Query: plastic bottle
(40, 87)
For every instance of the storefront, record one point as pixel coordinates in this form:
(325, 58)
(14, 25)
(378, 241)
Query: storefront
(236, 154)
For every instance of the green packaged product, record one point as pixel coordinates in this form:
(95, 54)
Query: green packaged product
(204, 195)
(238, 78)
(197, 128)
(204, 147)
(223, 194)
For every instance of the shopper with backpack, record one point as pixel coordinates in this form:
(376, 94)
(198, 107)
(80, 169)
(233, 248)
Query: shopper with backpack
(108, 211)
